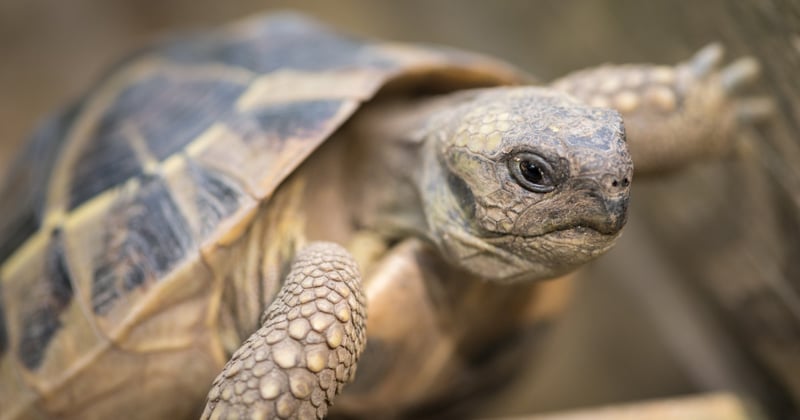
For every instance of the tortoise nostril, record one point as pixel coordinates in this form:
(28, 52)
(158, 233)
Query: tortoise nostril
(617, 183)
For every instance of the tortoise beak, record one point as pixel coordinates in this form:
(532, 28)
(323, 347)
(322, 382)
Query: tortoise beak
(617, 216)
(605, 206)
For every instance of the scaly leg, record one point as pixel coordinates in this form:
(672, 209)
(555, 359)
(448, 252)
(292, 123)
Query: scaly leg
(674, 115)
(306, 350)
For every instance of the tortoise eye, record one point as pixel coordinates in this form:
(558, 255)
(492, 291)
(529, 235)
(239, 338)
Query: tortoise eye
(532, 172)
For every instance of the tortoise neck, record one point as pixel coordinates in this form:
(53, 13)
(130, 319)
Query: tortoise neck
(389, 146)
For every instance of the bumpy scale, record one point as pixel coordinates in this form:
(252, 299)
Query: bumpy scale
(307, 347)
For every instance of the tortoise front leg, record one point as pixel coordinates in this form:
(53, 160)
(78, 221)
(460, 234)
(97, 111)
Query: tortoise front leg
(674, 115)
(306, 350)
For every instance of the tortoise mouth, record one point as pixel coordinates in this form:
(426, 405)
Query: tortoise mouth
(579, 237)
(584, 228)
(500, 240)
(549, 254)
(607, 225)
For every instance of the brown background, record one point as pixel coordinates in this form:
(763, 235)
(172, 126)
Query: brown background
(702, 292)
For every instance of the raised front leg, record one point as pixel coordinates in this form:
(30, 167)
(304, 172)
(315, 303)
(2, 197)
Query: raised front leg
(306, 350)
(674, 115)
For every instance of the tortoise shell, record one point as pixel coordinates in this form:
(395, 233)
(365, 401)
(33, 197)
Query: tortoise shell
(106, 218)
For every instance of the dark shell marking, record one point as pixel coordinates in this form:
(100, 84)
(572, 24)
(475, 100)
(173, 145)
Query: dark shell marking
(218, 196)
(284, 121)
(167, 112)
(149, 217)
(40, 320)
(23, 192)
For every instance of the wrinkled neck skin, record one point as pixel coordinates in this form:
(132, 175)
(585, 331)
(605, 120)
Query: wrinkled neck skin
(387, 158)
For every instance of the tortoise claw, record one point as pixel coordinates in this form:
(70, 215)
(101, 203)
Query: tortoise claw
(741, 73)
(707, 60)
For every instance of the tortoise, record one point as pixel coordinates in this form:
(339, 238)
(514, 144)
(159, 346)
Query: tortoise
(224, 205)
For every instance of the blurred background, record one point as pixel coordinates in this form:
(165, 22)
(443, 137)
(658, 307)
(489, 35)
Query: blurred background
(703, 292)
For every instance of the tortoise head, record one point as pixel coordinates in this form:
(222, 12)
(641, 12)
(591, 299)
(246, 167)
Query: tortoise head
(525, 183)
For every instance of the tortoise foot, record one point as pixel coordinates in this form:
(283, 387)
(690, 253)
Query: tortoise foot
(731, 81)
(676, 115)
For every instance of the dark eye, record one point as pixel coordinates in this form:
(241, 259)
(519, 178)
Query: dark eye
(532, 172)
